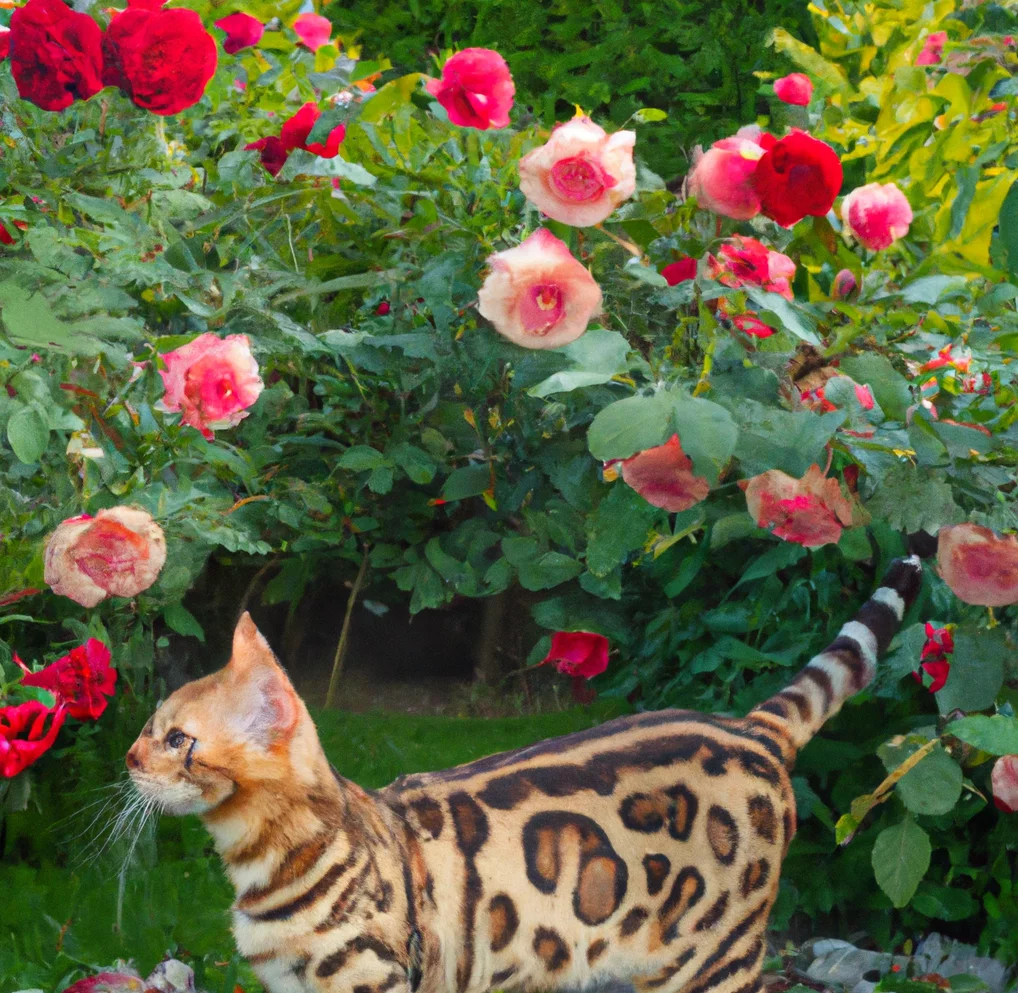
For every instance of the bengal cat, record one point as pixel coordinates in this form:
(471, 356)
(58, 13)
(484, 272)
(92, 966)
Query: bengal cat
(645, 851)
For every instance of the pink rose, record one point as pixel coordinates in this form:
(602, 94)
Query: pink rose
(1004, 780)
(212, 381)
(476, 89)
(242, 31)
(844, 284)
(313, 30)
(578, 653)
(581, 174)
(875, 215)
(537, 294)
(722, 177)
(979, 566)
(746, 261)
(865, 397)
(663, 476)
(933, 49)
(811, 511)
(680, 271)
(795, 88)
(119, 552)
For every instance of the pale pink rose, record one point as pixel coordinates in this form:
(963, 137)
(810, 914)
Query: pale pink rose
(796, 88)
(933, 49)
(979, 566)
(212, 381)
(722, 177)
(119, 552)
(313, 30)
(746, 261)
(581, 174)
(875, 215)
(537, 294)
(663, 476)
(476, 89)
(811, 511)
(1004, 780)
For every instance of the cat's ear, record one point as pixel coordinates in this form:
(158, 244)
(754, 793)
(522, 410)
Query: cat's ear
(266, 708)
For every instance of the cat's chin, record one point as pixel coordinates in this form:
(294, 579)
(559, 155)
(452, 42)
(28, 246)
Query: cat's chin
(177, 799)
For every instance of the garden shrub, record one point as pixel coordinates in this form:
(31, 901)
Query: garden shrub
(393, 433)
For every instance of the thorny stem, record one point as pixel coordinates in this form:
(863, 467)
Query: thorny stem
(703, 383)
(627, 245)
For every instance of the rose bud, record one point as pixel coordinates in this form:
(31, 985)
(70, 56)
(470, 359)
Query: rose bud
(876, 216)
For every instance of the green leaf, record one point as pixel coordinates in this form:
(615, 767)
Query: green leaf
(977, 671)
(28, 434)
(361, 458)
(302, 163)
(647, 115)
(1008, 227)
(415, 462)
(771, 438)
(594, 358)
(910, 498)
(997, 735)
(618, 526)
(178, 618)
(890, 388)
(789, 317)
(930, 289)
(946, 903)
(901, 856)
(933, 786)
(27, 317)
(809, 59)
(468, 481)
(548, 570)
(780, 557)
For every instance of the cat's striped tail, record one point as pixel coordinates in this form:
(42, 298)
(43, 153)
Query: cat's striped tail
(848, 663)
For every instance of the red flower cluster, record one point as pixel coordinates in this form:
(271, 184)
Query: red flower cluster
(578, 653)
(294, 134)
(162, 59)
(933, 658)
(80, 681)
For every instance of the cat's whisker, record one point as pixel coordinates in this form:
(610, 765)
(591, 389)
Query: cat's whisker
(148, 808)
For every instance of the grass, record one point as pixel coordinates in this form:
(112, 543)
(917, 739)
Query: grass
(60, 921)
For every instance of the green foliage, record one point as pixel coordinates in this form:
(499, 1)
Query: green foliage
(463, 466)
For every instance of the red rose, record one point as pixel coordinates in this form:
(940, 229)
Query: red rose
(81, 680)
(56, 54)
(242, 31)
(294, 134)
(933, 658)
(678, 272)
(162, 59)
(382, 310)
(5, 42)
(578, 653)
(272, 151)
(796, 176)
(6, 238)
(24, 736)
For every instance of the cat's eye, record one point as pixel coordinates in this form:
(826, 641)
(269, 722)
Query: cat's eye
(175, 738)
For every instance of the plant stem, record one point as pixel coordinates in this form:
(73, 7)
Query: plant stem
(344, 634)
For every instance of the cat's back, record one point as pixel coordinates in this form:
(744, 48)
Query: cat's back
(621, 851)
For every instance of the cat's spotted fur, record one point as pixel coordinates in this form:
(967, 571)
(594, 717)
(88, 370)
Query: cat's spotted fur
(645, 851)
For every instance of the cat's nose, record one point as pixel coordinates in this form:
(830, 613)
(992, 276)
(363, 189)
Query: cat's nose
(133, 760)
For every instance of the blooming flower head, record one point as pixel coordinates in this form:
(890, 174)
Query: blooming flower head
(119, 552)
(81, 680)
(294, 133)
(5, 42)
(663, 476)
(746, 261)
(581, 174)
(56, 54)
(875, 215)
(933, 658)
(578, 653)
(747, 321)
(680, 271)
(212, 381)
(796, 176)
(242, 31)
(476, 89)
(537, 294)
(1004, 781)
(722, 177)
(950, 355)
(796, 88)
(24, 735)
(933, 49)
(980, 566)
(313, 30)
(162, 59)
(810, 511)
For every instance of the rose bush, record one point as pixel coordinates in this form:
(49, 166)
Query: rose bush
(386, 356)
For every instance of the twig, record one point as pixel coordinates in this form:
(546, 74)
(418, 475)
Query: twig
(344, 634)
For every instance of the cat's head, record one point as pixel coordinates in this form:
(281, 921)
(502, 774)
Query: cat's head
(218, 741)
